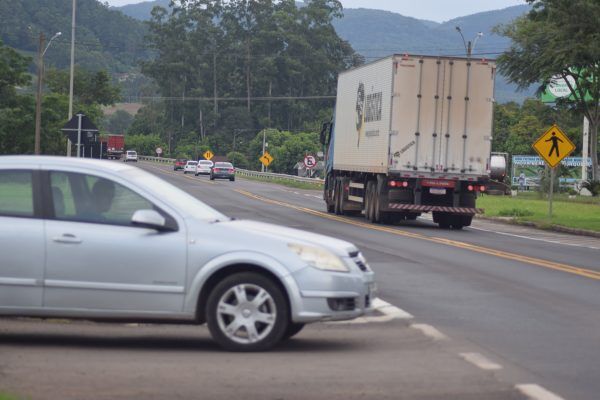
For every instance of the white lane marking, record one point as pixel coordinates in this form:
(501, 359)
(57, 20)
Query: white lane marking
(553, 241)
(536, 392)
(389, 313)
(429, 331)
(480, 361)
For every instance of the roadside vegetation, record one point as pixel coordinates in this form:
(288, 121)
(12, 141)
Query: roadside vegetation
(576, 212)
(285, 182)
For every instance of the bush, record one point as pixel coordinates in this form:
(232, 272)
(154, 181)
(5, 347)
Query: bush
(515, 212)
(592, 186)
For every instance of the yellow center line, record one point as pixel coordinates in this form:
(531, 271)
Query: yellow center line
(183, 176)
(449, 242)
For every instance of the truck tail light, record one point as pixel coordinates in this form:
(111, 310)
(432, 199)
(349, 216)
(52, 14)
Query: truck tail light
(482, 188)
(398, 184)
(470, 188)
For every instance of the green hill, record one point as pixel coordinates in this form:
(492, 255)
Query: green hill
(105, 38)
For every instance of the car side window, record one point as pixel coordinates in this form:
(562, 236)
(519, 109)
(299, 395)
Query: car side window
(16, 193)
(89, 198)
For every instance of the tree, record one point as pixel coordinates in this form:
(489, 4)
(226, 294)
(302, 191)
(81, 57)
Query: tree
(118, 123)
(89, 87)
(559, 38)
(13, 72)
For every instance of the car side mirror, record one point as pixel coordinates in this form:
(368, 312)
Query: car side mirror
(149, 219)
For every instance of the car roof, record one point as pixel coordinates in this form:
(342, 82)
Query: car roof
(100, 165)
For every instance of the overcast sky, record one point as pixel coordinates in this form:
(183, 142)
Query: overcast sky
(434, 10)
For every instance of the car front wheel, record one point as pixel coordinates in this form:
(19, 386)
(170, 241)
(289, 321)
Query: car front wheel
(247, 312)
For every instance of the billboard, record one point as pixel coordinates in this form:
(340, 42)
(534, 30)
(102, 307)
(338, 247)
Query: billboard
(532, 167)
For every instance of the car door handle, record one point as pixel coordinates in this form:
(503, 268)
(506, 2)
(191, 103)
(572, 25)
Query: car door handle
(67, 238)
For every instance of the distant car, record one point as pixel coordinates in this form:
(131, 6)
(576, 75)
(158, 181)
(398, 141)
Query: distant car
(222, 170)
(179, 163)
(204, 167)
(175, 258)
(131, 155)
(190, 167)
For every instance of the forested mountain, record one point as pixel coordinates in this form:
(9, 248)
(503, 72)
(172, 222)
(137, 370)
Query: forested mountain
(106, 39)
(142, 10)
(377, 33)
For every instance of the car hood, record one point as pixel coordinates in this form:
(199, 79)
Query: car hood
(290, 235)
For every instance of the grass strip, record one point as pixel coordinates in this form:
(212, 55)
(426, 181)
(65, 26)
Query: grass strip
(284, 182)
(569, 213)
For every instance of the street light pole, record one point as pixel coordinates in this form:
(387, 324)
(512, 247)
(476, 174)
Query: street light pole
(468, 45)
(71, 72)
(38, 103)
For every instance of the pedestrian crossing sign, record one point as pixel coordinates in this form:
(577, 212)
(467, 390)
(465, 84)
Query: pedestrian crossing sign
(553, 146)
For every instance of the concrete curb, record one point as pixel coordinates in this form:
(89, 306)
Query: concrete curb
(555, 228)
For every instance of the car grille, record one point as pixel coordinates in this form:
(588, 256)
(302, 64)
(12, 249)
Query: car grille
(342, 304)
(360, 261)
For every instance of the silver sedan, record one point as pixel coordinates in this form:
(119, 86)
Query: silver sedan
(100, 240)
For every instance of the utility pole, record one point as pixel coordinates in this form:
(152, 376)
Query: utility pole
(262, 166)
(38, 102)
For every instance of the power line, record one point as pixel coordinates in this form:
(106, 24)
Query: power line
(210, 99)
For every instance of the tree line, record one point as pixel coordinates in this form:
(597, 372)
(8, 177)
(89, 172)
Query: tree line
(222, 67)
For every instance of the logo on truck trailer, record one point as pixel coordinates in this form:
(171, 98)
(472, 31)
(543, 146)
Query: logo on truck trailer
(368, 109)
(360, 111)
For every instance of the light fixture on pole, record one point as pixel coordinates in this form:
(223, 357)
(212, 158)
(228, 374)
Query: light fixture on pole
(38, 104)
(468, 45)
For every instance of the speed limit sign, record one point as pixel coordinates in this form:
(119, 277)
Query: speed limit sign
(159, 151)
(310, 162)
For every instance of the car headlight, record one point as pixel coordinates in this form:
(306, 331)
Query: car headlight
(318, 258)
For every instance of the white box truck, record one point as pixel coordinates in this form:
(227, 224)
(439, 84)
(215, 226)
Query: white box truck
(411, 134)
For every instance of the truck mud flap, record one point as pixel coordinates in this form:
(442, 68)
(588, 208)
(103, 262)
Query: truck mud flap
(450, 210)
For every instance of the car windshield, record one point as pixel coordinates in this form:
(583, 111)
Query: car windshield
(223, 165)
(174, 196)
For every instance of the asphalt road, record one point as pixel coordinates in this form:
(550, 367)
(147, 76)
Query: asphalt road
(528, 300)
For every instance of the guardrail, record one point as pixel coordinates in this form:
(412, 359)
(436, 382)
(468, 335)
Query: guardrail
(245, 172)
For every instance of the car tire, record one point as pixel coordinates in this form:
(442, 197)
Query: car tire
(292, 330)
(232, 179)
(212, 178)
(237, 321)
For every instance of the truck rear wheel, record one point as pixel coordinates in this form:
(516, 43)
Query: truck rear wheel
(328, 194)
(337, 197)
(369, 200)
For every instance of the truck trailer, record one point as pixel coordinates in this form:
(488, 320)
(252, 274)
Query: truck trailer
(115, 147)
(411, 135)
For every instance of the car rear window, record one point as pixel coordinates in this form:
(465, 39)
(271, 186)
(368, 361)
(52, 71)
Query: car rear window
(16, 193)
(206, 163)
(223, 165)
(192, 163)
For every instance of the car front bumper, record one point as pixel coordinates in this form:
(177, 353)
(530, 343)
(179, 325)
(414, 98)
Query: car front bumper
(330, 296)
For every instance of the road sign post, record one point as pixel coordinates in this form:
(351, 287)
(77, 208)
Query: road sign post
(266, 159)
(553, 146)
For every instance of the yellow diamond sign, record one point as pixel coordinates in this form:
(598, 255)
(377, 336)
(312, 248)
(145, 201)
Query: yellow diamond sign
(208, 154)
(266, 159)
(553, 146)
